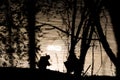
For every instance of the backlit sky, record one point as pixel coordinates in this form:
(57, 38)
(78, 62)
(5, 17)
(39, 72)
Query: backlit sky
(53, 45)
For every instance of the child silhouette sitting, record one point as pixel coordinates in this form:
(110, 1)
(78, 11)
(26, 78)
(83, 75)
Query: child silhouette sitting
(43, 62)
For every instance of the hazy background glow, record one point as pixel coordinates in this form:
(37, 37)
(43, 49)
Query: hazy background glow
(58, 50)
(54, 48)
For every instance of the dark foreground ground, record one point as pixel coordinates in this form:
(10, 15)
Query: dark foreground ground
(35, 74)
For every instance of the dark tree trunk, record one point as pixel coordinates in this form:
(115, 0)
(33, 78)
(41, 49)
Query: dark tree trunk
(105, 44)
(71, 61)
(95, 10)
(112, 7)
(85, 44)
(31, 30)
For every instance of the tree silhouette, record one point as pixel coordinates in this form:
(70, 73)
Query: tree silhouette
(94, 8)
(111, 7)
(31, 12)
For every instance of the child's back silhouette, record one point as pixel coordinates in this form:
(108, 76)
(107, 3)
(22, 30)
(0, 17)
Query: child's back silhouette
(43, 62)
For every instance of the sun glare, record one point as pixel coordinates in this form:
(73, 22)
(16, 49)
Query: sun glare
(56, 58)
(54, 48)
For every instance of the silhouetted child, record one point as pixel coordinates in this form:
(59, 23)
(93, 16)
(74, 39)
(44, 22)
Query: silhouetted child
(43, 62)
(71, 64)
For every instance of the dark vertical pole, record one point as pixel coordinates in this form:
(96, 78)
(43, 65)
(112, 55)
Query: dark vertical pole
(31, 31)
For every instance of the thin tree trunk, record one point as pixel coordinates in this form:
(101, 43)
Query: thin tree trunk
(105, 43)
(85, 44)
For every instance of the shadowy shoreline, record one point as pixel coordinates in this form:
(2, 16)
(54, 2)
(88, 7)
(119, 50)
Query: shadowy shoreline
(36, 74)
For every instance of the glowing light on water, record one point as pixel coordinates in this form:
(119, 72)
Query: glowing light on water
(54, 48)
(56, 58)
